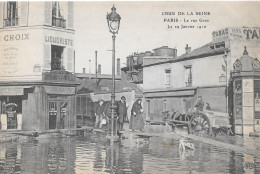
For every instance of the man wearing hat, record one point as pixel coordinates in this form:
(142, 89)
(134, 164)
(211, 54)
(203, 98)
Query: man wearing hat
(99, 112)
(121, 112)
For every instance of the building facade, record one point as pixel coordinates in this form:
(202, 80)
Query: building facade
(37, 82)
(176, 84)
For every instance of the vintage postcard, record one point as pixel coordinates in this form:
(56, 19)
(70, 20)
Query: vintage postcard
(129, 87)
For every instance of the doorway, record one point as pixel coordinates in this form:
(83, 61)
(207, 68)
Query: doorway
(58, 112)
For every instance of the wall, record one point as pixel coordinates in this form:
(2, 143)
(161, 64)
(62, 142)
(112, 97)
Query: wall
(205, 72)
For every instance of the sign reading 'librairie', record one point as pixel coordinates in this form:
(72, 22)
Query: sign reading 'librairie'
(59, 40)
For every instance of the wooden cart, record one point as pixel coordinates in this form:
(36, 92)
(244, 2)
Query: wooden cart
(206, 123)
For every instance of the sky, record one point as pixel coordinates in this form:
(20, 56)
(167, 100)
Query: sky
(143, 27)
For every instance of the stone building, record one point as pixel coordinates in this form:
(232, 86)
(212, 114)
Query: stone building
(37, 81)
(176, 84)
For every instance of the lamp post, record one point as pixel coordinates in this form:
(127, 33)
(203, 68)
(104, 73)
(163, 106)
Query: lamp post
(113, 21)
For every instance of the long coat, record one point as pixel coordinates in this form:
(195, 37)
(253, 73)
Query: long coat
(121, 111)
(136, 120)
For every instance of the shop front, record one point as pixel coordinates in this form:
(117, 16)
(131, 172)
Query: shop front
(38, 106)
(11, 106)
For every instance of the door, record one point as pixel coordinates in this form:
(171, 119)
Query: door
(58, 113)
(53, 113)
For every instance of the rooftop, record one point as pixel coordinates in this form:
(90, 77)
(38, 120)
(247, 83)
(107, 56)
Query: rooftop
(105, 86)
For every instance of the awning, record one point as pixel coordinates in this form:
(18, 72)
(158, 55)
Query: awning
(12, 90)
(59, 90)
(178, 93)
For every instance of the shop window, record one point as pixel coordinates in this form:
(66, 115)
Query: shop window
(168, 77)
(188, 76)
(57, 15)
(11, 106)
(11, 14)
(56, 57)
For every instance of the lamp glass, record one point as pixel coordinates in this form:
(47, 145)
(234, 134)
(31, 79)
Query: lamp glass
(114, 25)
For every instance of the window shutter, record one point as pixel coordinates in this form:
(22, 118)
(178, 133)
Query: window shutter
(70, 59)
(47, 57)
(70, 15)
(23, 10)
(1, 14)
(48, 12)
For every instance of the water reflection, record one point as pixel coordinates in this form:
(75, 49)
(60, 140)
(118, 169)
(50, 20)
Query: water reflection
(91, 153)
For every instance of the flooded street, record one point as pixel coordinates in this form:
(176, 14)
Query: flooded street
(91, 153)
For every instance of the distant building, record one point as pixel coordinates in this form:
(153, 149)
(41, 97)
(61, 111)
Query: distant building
(133, 72)
(37, 81)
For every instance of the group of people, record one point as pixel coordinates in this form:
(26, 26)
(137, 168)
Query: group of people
(103, 114)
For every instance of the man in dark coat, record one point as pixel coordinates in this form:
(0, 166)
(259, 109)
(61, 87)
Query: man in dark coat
(200, 104)
(121, 112)
(99, 112)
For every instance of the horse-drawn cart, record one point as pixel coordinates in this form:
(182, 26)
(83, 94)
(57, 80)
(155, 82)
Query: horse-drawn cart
(201, 123)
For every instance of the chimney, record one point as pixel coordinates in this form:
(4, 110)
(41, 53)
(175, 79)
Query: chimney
(99, 69)
(89, 74)
(118, 67)
(187, 48)
(84, 70)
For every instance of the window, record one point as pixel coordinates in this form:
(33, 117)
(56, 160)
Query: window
(188, 76)
(57, 16)
(56, 57)
(148, 109)
(167, 77)
(164, 105)
(11, 14)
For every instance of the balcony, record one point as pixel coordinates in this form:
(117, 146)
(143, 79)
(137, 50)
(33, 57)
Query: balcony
(135, 76)
(11, 22)
(58, 22)
(58, 75)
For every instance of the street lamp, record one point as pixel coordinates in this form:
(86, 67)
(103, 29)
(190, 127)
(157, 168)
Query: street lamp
(113, 22)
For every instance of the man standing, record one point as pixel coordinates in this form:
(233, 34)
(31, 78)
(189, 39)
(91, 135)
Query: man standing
(121, 112)
(99, 113)
(200, 104)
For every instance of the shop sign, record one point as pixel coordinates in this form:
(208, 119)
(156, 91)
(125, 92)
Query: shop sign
(226, 34)
(248, 85)
(58, 40)
(59, 90)
(5, 91)
(10, 60)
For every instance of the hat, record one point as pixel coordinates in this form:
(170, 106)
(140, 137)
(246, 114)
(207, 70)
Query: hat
(123, 98)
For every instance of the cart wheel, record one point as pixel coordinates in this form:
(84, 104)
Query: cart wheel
(200, 125)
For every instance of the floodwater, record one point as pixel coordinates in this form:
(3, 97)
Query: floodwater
(91, 153)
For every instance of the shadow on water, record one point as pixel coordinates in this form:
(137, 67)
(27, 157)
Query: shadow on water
(92, 153)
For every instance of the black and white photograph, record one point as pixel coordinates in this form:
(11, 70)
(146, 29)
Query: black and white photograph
(129, 87)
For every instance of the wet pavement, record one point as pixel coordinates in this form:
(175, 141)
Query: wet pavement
(91, 153)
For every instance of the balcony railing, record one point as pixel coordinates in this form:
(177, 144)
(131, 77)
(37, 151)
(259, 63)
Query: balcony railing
(58, 22)
(11, 22)
(135, 76)
(58, 75)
